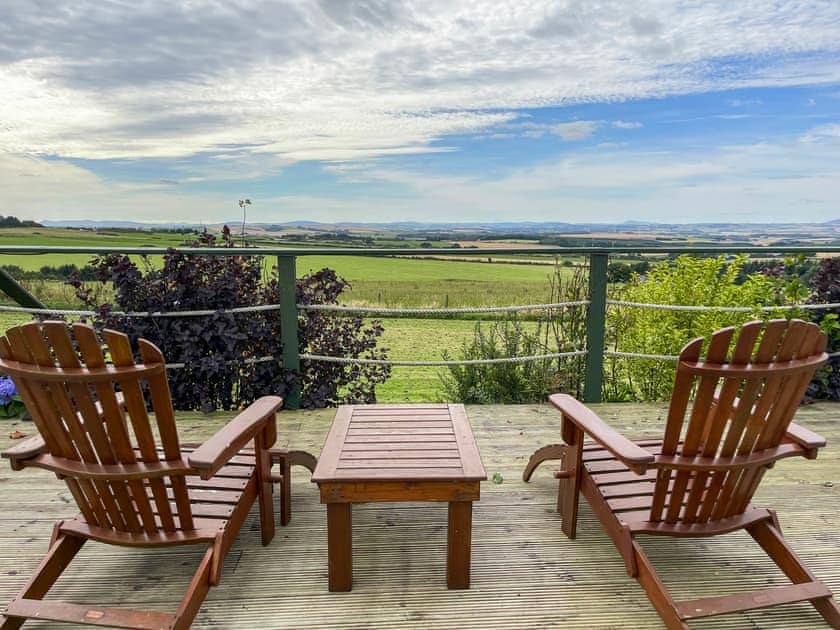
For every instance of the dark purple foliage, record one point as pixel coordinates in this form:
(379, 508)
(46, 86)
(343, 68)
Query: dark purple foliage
(825, 288)
(216, 348)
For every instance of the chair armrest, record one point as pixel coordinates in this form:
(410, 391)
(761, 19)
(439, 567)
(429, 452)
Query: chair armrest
(805, 438)
(29, 448)
(217, 451)
(634, 456)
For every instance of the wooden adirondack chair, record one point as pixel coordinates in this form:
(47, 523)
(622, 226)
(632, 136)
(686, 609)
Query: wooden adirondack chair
(699, 480)
(132, 488)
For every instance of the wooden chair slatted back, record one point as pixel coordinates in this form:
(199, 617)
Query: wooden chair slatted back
(743, 402)
(82, 419)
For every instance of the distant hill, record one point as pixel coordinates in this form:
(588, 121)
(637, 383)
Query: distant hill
(137, 225)
(524, 227)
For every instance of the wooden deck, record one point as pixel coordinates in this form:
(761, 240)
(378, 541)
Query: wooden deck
(525, 573)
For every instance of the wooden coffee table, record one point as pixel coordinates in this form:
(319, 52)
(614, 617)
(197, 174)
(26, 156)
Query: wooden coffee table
(399, 453)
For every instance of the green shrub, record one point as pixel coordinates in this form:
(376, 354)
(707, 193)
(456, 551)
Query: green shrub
(688, 281)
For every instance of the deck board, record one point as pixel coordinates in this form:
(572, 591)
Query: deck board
(525, 573)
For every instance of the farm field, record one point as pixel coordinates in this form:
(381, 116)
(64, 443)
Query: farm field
(65, 237)
(385, 282)
(416, 283)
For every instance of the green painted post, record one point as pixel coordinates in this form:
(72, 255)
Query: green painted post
(595, 327)
(10, 287)
(287, 280)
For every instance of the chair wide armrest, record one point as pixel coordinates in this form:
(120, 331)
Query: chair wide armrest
(635, 457)
(29, 448)
(217, 451)
(805, 438)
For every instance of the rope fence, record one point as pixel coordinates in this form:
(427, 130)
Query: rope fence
(341, 308)
(520, 359)
(726, 309)
(439, 311)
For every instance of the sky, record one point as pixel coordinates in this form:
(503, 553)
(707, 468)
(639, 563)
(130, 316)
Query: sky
(428, 110)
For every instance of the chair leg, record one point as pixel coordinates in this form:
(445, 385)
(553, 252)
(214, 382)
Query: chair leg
(196, 592)
(656, 591)
(774, 544)
(61, 553)
(285, 459)
(265, 489)
(568, 492)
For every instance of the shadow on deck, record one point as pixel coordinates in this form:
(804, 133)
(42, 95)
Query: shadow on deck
(525, 573)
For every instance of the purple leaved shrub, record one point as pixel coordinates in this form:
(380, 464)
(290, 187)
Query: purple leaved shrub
(219, 350)
(825, 289)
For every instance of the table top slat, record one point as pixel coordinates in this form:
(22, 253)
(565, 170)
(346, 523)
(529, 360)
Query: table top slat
(470, 456)
(415, 445)
(401, 431)
(399, 454)
(438, 462)
(397, 474)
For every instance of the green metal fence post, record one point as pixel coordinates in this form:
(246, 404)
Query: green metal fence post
(595, 327)
(287, 280)
(10, 287)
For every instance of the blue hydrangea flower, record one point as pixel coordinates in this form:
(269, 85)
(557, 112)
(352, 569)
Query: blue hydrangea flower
(7, 390)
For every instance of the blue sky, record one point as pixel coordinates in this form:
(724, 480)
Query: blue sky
(384, 110)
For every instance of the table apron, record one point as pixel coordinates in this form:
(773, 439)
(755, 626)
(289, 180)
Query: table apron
(387, 491)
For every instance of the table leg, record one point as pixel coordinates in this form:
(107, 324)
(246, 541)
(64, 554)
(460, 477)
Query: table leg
(459, 544)
(340, 546)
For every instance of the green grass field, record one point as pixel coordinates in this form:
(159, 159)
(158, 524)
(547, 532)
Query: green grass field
(420, 340)
(416, 283)
(64, 237)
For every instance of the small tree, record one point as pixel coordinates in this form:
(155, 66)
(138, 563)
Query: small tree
(223, 353)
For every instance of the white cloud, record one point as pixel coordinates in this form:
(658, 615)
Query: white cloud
(744, 102)
(611, 145)
(577, 130)
(830, 132)
(50, 189)
(626, 124)
(352, 79)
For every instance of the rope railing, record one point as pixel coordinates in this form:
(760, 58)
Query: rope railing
(640, 355)
(181, 366)
(340, 308)
(197, 313)
(725, 309)
(443, 362)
